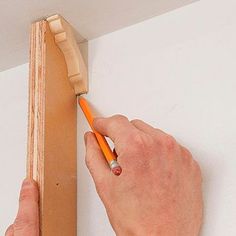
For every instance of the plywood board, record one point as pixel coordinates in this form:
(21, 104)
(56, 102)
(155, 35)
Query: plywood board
(52, 134)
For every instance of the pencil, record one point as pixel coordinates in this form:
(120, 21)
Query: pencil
(106, 150)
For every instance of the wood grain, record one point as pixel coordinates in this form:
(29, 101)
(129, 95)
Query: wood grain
(52, 134)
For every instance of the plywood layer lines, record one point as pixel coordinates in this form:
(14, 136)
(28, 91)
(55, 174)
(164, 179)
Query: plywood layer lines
(52, 134)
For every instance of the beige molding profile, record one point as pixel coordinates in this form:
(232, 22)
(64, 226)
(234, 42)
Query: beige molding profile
(65, 40)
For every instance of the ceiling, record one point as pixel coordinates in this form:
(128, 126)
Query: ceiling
(91, 18)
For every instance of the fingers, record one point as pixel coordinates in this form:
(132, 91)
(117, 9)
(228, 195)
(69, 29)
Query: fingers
(27, 220)
(118, 128)
(10, 231)
(95, 160)
(114, 127)
(146, 128)
(160, 136)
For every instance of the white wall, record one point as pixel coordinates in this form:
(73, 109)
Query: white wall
(13, 143)
(177, 72)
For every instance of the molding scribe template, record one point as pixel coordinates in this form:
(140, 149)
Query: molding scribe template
(55, 79)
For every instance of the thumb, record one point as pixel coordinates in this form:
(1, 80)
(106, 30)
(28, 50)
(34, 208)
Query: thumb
(27, 220)
(94, 159)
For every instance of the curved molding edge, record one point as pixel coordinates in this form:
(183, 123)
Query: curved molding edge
(65, 40)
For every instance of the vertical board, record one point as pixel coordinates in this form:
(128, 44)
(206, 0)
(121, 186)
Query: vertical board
(52, 134)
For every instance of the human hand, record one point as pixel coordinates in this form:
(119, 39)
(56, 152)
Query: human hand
(27, 219)
(159, 189)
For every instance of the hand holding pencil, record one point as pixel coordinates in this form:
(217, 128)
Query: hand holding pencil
(159, 192)
(108, 154)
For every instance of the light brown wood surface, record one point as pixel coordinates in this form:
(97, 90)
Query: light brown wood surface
(65, 40)
(52, 134)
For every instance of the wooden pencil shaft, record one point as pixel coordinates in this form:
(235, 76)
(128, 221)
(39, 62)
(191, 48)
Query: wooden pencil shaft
(109, 155)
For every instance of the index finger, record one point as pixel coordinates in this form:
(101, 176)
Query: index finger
(117, 127)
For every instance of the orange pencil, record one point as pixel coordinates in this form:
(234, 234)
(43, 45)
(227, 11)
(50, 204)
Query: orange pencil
(108, 154)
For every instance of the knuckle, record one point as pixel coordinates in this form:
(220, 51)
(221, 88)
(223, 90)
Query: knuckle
(117, 118)
(114, 120)
(135, 121)
(137, 140)
(169, 142)
(21, 222)
(186, 154)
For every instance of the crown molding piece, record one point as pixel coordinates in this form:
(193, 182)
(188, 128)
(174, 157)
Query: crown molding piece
(65, 40)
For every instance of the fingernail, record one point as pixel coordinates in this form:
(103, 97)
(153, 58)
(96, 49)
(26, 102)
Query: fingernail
(27, 182)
